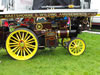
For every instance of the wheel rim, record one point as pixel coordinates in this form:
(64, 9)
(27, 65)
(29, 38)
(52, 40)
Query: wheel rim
(21, 44)
(77, 47)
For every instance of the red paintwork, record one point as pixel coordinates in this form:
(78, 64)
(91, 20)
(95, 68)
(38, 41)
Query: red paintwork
(24, 25)
(95, 23)
(6, 24)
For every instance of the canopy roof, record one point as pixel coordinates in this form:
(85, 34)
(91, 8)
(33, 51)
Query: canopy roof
(38, 3)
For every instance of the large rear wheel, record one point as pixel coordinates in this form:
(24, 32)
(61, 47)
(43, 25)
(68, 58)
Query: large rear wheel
(22, 44)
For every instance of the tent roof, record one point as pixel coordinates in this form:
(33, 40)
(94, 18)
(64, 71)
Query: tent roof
(38, 3)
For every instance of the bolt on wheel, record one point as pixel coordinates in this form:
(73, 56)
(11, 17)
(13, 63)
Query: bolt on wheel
(76, 47)
(22, 44)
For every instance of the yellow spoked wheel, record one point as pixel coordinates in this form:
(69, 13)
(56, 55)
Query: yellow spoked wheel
(64, 41)
(22, 44)
(76, 47)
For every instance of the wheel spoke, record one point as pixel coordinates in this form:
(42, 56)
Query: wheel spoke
(15, 38)
(30, 40)
(26, 51)
(72, 46)
(80, 50)
(30, 45)
(26, 36)
(80, 47)
(19, 35)
(18, 52)
(76, 50)
(13, 43)
(73, 43)
(73, 50)
(21, 52)
(23, 36)
(77, 42)
(14, 46)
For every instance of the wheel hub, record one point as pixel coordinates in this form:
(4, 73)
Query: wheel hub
(21, 44)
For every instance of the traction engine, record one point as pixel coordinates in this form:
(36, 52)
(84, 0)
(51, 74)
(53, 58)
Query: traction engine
(50, 23)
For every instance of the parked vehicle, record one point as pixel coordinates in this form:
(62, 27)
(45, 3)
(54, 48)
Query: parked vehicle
(43, 28)
(96, 19)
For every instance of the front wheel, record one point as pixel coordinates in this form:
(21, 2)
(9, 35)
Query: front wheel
(22, 44)
(76, 47)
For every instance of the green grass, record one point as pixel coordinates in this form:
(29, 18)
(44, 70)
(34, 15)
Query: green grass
(95, 30)
(57, 61)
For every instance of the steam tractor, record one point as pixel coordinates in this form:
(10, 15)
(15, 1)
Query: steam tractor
(27, 31)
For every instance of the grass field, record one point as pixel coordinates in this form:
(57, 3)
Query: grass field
(96, 30)
(57, 61)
